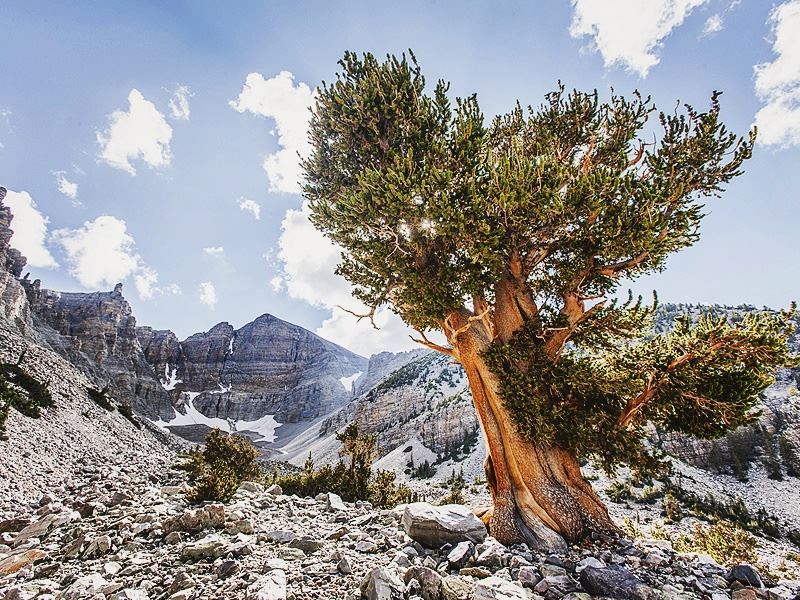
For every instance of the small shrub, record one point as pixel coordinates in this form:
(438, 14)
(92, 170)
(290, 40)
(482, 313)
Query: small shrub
(456, 484)
(126, 410)
(672, 508)
(425, 470)
(352, 480)
(650, 494)
(724, 542)
(101, 398)
(770, 458)
(217, 470)
(619, 492)
(22, 392)
(793, 535)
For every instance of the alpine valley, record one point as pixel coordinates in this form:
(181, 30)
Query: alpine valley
(117, 524)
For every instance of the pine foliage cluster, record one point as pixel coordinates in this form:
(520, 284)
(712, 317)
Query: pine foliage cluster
(437, 210)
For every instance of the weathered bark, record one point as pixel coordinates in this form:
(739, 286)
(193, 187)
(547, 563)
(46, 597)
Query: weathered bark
(540, 496)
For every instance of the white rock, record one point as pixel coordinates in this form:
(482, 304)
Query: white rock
(271, 586)
(434, 526)
(494, 588)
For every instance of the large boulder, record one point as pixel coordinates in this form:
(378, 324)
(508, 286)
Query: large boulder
(434, 526)
(615, 582)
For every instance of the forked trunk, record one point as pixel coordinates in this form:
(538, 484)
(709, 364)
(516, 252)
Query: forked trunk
(540, 496)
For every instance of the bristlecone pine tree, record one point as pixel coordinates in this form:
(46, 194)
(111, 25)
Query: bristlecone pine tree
(512, 239)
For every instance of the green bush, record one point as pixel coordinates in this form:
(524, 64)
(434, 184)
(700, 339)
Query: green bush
(724, 542)
(126, 410)
(351, 477)
(100, 397)
(21, 391)
(217, 471)
(456, 484)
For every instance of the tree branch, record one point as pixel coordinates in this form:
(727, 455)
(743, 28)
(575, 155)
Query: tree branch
(423, 340)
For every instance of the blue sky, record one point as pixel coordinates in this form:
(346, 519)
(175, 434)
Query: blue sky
(162, 172)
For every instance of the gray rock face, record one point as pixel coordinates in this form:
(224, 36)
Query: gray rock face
(96, 331)
(13, 306)
(434, 526)
(614, 582)
(267, 367)
(426, 397)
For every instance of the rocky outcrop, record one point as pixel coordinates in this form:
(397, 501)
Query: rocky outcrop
(427, 399)
(97, 332)
(13, 307)
(267, 367)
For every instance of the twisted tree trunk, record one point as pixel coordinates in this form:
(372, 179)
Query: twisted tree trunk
(540, 496)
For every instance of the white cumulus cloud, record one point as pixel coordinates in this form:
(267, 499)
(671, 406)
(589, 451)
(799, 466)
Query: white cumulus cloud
(288, 104)
(629, 32)
(30, 230)
(713, 25)
(141, 132)
(65, 186)
(778, 82)
(214, 250)
(102, 253)
(250, 206)
(179, 103)
(208, 294)
(308, 260)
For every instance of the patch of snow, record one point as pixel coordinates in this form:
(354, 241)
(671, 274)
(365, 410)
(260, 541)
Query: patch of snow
(170, 379)
(265, 427)
(222, 389)
(230, 346)
(192, 416)
(348, 382)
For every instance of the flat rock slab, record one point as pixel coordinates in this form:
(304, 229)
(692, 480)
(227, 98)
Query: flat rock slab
(15, 562)
(434, 526)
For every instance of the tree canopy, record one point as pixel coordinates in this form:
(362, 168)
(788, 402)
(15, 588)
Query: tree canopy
(550, 208)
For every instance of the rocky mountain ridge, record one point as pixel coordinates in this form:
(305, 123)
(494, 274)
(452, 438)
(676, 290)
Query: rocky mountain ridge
(266, 376)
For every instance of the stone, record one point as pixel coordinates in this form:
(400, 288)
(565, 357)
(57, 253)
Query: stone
(281, 536)
(14, 525)
(460, 555)
(334, 503)
(614, 582)
(15, 562)
(275, 490)
(456, 588)
(744, 594)
(492, 556)
(98, 547)
(251, 487)
(129, 594)
(42, 527)
(227, 568)
(85, 587)
(307, 544)
(589, 561)
(343, 566)
(476, 572)
(528, 576)
(548, 570)
(112, 567)
(271, 586)
(494, 588)
(212, 546)
(435, 526)
(745, 574)
(430, 582)
(382, 583)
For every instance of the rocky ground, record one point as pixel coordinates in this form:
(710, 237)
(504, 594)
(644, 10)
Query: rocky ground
(119, 532)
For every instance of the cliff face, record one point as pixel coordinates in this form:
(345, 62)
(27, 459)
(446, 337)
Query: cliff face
(97, 332)
(13, 306)
(426, 399)
(267, 367)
